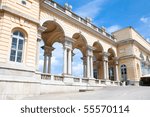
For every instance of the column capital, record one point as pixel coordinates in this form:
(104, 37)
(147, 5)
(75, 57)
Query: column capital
(48, 50)
(90, 50)
(68, 42)
(84, 60)
(105, 56)
(116, 60)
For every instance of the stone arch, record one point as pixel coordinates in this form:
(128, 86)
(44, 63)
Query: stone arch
(98, 60)
(80, 43)
(53, 33)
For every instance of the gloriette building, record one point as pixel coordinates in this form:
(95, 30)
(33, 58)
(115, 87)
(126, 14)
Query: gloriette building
(108, 59)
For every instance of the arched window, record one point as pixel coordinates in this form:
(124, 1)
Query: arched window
(17, 47)
(124, 72)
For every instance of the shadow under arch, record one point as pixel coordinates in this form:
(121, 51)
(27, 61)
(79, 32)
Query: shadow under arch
(80, 43)
(111, 64)
(98, 60)
(53, 33)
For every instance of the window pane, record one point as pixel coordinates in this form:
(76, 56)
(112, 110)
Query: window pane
(16, 33)
(12, 56)
(21, 35)
(19, 56)
(14, 43)
(20, 45)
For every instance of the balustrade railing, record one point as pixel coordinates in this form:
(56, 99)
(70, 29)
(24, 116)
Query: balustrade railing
(60, 78)
(85, 80)
(46, 76)
(76, 79)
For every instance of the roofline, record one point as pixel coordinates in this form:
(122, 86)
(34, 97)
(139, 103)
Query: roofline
(130, 27)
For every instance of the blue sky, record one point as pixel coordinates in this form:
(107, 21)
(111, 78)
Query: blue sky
(113, 14)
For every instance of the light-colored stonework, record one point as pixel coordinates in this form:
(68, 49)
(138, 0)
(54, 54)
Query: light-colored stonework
(41, 20)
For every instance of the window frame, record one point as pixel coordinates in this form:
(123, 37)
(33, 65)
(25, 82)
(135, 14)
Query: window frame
(18, 37)
(123, 72)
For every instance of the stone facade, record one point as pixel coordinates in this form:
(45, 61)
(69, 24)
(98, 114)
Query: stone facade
(122, 56)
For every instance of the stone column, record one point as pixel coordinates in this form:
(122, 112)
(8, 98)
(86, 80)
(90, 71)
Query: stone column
(117, 74)
(47, 54)
(91, 65)
(65, 61)
(105, 65)
(88, 67)
(84, 66)
(107, 71)
(69, 62)
(49, 64)
(116, 69)
(45, 63)
(89, 62)
(68, 56)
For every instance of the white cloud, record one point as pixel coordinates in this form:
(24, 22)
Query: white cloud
(144, 27)
(144, 19)
(78, 69)
(91, 9)
(148, 39)
(113, 28)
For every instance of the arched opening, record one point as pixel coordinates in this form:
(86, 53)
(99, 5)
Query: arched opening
(77, 65)
(111, 64)
(80, 47)
(123, 69)
(98, 60)
(53, 37)
(57, 58)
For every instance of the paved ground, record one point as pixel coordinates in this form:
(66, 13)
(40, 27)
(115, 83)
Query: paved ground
(104, 93)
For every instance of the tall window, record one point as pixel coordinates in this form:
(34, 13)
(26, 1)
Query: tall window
(17, 47)
(123, 72)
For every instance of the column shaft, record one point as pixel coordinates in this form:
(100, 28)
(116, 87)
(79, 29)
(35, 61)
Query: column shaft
(116, 73)
(65, 60)
(45, 64)
(49, 64)
(88, 67)
(107, 71)
(69, 62)
(104, 66)
(91, 66)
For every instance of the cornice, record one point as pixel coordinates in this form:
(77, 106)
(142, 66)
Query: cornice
(128, 56)
(18, 13)
(133, 41)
